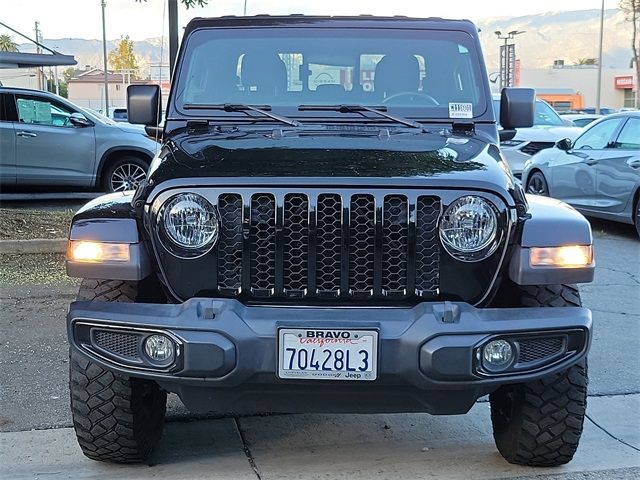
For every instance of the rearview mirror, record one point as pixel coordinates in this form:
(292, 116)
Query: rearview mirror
(79, 120)
(143, 104)
(517, 108)
(564, 144)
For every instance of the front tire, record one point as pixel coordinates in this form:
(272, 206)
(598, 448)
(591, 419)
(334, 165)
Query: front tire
(116, 418)
(537, 184)
(539, 423)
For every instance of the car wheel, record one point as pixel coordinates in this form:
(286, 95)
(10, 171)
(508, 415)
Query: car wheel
(116, 418)
(636, 218)
(539, 423)
(126, 173)
(537, 184)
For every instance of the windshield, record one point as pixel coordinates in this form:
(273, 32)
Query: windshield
(432, 74)
(545, 114)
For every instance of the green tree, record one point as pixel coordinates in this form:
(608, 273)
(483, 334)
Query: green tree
(7, 44)
(122, 57)
(587, 61)
(631, 9)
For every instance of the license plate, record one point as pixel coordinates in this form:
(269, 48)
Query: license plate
(327, 354)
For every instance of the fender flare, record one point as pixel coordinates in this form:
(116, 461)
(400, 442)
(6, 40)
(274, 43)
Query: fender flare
(110, 219)
(550, 223)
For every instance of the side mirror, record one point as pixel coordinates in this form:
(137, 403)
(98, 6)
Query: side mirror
(79, 120)
(517, 107)
(143, 104)
(564, 144)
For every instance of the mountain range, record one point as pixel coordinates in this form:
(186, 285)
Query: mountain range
(568, 36)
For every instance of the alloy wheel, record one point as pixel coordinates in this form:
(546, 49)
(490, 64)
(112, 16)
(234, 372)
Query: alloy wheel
(127, 177)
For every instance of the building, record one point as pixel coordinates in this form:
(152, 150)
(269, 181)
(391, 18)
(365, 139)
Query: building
(568, 86)
(86, 88)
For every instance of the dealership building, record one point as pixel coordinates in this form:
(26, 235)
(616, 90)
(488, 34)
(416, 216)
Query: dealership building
(574, 87)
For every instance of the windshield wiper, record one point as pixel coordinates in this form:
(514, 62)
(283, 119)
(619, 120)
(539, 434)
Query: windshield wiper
(233, 107)
(380, 110)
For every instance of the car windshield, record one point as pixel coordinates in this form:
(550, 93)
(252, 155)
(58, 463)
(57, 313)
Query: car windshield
(417, 73)
(545, 114)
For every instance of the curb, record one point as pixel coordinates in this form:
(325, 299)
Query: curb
(39, 245)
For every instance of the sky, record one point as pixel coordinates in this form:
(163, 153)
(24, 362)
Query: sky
(82, 18)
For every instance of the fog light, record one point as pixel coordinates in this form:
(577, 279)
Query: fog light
(497, 354)
(159, 348)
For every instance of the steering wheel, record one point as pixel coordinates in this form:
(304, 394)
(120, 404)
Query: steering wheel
(410, 96)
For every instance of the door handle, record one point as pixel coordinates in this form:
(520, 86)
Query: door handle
(634, 162)
(27, 134)
(591, 161)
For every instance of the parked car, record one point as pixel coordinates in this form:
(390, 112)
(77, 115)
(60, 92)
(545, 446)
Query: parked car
(580, 119)
(119, 115)
(48, 141)
(548, 127)
(603, 110)
(326, 247)
(598, 173)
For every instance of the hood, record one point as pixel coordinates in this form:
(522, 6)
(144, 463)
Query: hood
(398, 157)
(546, 133)
(129, 128)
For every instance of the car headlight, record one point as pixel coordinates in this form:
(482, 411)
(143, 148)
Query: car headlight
(190, 224)
(468, 229)
(511, 143)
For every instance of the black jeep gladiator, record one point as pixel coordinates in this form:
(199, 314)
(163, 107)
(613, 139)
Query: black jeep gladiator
(329, 226)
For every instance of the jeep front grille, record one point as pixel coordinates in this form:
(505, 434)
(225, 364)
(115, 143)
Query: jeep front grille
(328, 245)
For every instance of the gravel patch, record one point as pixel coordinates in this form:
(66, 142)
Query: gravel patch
(21, 224)
(42, 269)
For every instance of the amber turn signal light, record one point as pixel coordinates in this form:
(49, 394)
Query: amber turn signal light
(568, 256)
(96, 252)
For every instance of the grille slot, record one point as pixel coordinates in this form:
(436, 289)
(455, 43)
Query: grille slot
(118, 343)
(395, 244)
(296, 244)
(328, 245)
(230, 244)
(262, 244)
(534, 349)
(362, 233)
(427, 247)
(532, 148)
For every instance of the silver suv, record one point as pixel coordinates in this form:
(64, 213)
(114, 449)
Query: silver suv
(46, 140)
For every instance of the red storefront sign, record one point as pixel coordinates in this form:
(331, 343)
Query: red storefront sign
(623, 82)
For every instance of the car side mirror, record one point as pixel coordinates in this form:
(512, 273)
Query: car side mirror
(79, 120)
(565, 144)
(517, 107)
(143, 104)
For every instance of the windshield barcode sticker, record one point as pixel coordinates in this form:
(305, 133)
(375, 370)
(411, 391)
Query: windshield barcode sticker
(460, 110)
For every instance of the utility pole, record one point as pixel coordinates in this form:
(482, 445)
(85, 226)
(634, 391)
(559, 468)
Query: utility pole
(104, 58)
(55, 72)
(599, 87)
(173, 35)
(38, 51)
(245, 8)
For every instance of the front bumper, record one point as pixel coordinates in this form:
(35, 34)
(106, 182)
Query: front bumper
(428, 355)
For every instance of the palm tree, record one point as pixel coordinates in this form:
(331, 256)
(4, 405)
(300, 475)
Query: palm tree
(7, 44)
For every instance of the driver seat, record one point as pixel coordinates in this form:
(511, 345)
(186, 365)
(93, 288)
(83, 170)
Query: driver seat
(396, 74)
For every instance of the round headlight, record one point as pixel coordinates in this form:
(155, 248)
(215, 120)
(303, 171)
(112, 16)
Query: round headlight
(190, 221)
(469, 225)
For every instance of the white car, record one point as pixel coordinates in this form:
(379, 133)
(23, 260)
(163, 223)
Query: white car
(547, 129)
(581, 119)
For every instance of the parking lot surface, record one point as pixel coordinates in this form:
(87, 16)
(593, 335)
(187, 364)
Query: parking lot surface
(33, 373)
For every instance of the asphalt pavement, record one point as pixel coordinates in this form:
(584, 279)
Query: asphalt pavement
(36, 441)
